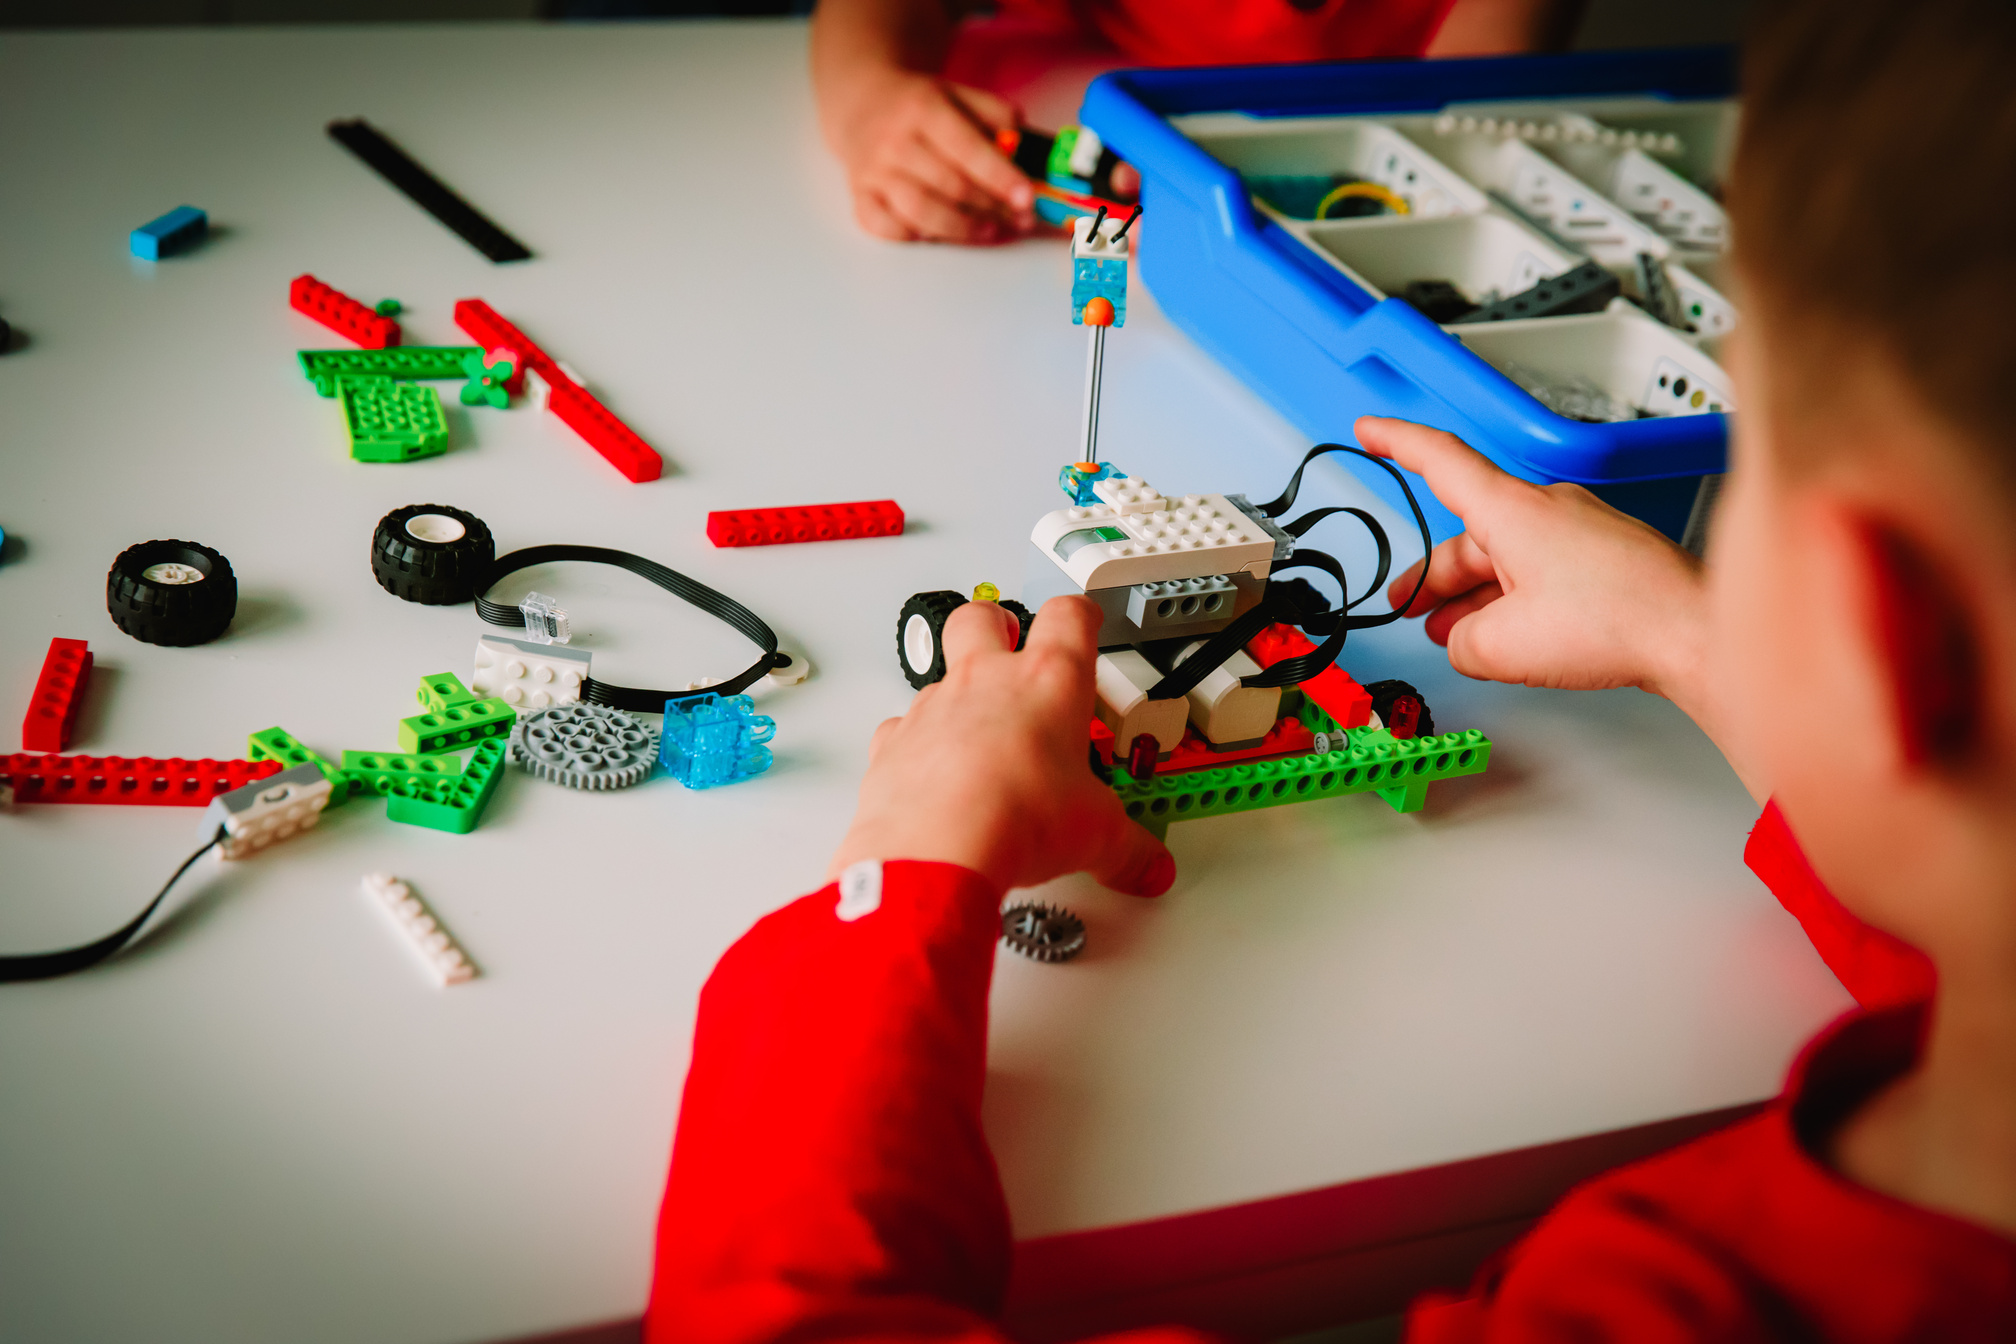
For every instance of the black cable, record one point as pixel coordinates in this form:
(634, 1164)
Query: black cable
(1129, 224)
(1275, 605)
(49, 965)
(718, 605)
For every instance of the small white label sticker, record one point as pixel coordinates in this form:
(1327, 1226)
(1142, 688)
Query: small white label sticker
(860, 890)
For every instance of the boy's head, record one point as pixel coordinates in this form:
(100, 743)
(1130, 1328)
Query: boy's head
(1864, 564)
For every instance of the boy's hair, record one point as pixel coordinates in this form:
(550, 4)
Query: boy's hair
(1874, 198)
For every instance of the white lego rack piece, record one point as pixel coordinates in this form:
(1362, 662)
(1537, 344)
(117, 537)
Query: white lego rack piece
(525, 675)
(267, 810)
(1196, 536)
(420, 930)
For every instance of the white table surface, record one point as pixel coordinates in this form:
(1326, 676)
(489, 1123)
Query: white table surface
(262, 1123)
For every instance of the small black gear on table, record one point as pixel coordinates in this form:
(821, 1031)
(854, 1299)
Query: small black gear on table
(1043, 932)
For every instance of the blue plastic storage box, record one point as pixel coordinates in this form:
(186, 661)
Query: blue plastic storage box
(1294, 307)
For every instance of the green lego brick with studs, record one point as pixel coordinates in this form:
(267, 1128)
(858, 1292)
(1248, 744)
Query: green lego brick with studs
(1372, 760)
(326, 367)
(277, 744)
(443, 691)
(454, 803)
(392, 421)
(375, 772)
(454, 726)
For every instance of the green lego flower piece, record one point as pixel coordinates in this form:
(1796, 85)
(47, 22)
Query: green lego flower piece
(389, 308)
(391, 421)
(443, 690)
(277, 744)
(1368, 760)
(324, 367)
(487, 379)
(376, 772)
(454, 804)
(455, 727)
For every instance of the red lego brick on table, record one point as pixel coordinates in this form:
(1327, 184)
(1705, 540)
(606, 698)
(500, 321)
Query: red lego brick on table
(1333, 689)
(52, 710)
(607, 435)
(482, 324)
(130, 780)
(811, 522)
(342, 314)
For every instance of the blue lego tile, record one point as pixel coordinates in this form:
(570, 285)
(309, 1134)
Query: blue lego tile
(177, 231)
(714, 739)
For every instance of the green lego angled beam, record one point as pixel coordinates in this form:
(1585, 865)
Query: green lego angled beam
(453, 804)
(443, 691)
(456, 726)
(376, 772)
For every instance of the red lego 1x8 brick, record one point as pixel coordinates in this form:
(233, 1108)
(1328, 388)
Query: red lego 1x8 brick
(813, 522)
(482, 324)
(342, 314)
(131, 780)
(52, 711)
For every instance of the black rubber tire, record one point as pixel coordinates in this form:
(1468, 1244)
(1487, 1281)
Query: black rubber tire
(1022, 614)
(438, 573)
(1384, 693)
(173, 614)
(932, 609)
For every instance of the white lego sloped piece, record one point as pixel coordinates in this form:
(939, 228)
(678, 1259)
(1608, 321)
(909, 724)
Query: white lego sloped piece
(1128, 495)
(1226, 712)
(1122, 680)
(268, 810)
(525, 675)
(442, 957)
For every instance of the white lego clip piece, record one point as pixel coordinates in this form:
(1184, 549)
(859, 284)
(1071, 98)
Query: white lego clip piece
(1130, 495)
(860, 890)
(421, 931)
(791, 673)
(526, 675)
(1084, 160)
(267, 810)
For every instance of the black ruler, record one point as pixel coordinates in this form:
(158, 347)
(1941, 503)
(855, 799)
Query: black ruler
(429, 192)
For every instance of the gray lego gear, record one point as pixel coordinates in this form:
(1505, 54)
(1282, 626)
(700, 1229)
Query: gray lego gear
(1042, 932)
(584, 746)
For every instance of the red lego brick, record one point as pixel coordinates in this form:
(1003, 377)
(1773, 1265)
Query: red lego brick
(342, 314)
(812, 522)
(606, 434)
(1288, 737)
(132, 780)
(1342, 698)
(52, 710)
(1102, 742)
(481, 324)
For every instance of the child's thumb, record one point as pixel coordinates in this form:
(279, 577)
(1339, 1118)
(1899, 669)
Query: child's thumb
(1135, 863)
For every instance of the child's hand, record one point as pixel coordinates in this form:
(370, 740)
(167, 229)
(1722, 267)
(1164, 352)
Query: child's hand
(1549, 586)
(990, 770)
(922, 163)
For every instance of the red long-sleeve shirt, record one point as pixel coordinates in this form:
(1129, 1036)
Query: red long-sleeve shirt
(831, 1180)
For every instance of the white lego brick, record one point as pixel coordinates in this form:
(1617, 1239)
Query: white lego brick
(1226, 712)
(420, 930)
(1108, 245)
(1122, 680)
(1197, 536)
(525, 675)
(1084, 160)
(268, 810)
(1129, 495)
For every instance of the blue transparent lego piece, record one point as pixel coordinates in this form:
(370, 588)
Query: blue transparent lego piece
(1099, 278)
(177, 231)
(714, 739)
(1076, 482)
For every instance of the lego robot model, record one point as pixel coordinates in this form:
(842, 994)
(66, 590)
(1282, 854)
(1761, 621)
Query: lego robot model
(1210, 664)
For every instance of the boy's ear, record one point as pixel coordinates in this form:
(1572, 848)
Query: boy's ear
(1926, 646)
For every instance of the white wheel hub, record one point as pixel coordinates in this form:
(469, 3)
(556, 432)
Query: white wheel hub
(438, 528)
(920, 646)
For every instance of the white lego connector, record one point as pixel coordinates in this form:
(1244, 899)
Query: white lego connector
(1122, 680)
(526, 675)
(420, 930)
(267, 810)
(1107, 245)
(1227, 713)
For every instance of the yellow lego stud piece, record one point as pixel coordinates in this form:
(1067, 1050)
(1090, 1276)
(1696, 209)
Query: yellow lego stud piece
(986, 592)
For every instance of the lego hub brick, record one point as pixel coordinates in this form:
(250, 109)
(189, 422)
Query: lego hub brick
(810, 522)
(52, 709)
